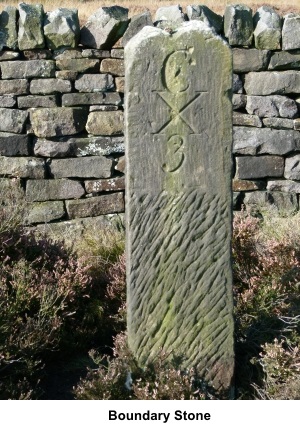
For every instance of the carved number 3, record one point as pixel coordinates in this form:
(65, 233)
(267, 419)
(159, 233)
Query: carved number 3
(174, 154)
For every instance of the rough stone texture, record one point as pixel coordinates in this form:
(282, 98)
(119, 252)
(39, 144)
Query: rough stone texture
(244, 185)
(54, 189)
(22, 167)
(61, 28)
(121, 165)
(37, 101)
(8, 101)
(267, 32)
(50, 86)
(49, 122)
(251, 141)
(113, 65)
(239, 101)
(292, 167)
(117, 53)
(284, 186)
(28, 69)
(37, 54)
(283, 60)
(171, 14)
(12, 120)
(281, 203)
(14, 144)
(94, 83)
(79, 65)
(31, 34)
(9, 55)
(44, 212)
(94, 206)
(246, 120)
(105, 123)
(297, 124)
(272, 106)
(120, 85)
(77, 99)
(85, 167)
(112, 184)
(136, 23)
(238, 25)
(14, 86)
(266, 83)
(66, 74)
(204, 14)
(101, 145)
(259, 167)
(178, 198)
(104, 27)
(279, 123)
(250, 60)
(291, 32)
(95, 53)
(53, 149)
(8, 28)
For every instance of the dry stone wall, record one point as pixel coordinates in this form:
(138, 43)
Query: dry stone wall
(61, 106)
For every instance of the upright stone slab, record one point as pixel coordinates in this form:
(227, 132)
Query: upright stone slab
(179, 198)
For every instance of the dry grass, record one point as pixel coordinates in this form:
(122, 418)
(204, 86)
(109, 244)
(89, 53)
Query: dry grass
(88, 7)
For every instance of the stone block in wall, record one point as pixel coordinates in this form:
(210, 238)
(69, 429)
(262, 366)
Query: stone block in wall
(94, 206)
(37, 54)
(44, 212)
(67, 54)
(103, 108)
(53, 149)
(100, 185)
(285, 60)
(22, 167)
(25, 102)
(297, 124)
(171, 14)
(79, 65)
(285, 186)
(61, 28)
(8, 28)
(267, 31)
(266, 83)
(9, 55)
(12, 144)
(105, 123)
(12, 120)
(77, 99)
(31, 34)
(204, 14)
(69, 75)
(238, 25)
(95, 53)
(136, 23)
(60, 121)
(278, 123)
(250, 60)
(53, 189)
(8, 101)
(272, 106)
(50, 86)
(98, 145)
(114, 66)
(247, 185)
(27, 69)
(283, 203)
(83, 167)
(291, 32)
(14, 86)
(239, 101)
(120, 84)
(246, 120)
(104, 27)
(253, 141)
(120, 167)
(89, 83)
(292, 167)
(250, 167)
(237, 84)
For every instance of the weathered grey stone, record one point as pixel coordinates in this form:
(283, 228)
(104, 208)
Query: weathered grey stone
(292, 167)
(8, 28)
(282, 203)
(171, 14)
(64, 121)
(67, 54)
(250, 167)
(120, 84)
(28, 69)
(101, 145)
(22, 167)
(239, 101)
(77, 99)
(9, 55)
(31, 34)
(14, 86)
(79, 65)
(267, 32)
(297, 124)
(44, 212)
(246, 120)
(104, 27)
(117, 53)
(94, 206)
(121, 165)
(37, 101)
(95, 53)
(14, 144)
(113, 66)
(285, 186)
(250, 141)
(291, 32)
(85, 167)
(53, 149)
(8, 101)
(94, 83)
(279, 123)
(61, 28)
(136, 23)
(237, 84)
(103, 108)
(272, 106)
(284, 60)
(246, 185)
(111, 184)
(50, 86)
(12, 120)
(238, 25)
(53, 189)
(204, 14)
(250, 60)
(266, 83)
(178, 198)
(37, 54)
(66, 74)
(105, 123)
